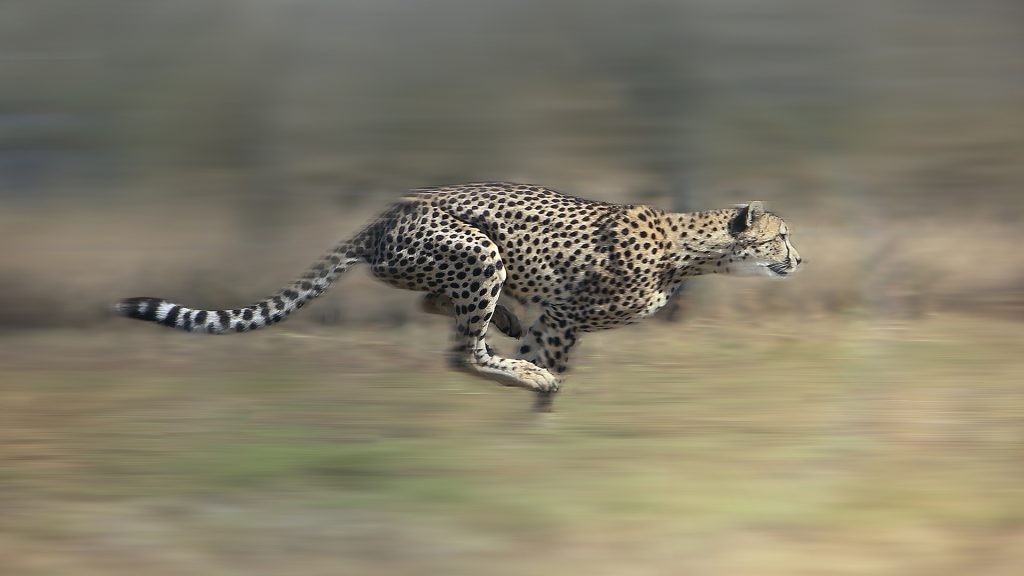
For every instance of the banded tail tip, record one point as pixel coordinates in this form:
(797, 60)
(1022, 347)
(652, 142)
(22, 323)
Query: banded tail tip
(140, 307)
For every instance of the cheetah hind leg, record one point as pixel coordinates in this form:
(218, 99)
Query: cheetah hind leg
(506, 371)
(473, 297)
(503, 319)
(474, 356)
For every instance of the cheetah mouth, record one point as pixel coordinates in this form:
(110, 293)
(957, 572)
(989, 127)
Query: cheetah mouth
(780, 268)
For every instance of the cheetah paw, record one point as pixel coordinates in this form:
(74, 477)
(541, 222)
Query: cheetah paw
(537, 379)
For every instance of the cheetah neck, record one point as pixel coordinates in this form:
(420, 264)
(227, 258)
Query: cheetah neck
(701, 241)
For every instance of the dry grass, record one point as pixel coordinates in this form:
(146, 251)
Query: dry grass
(829, 447)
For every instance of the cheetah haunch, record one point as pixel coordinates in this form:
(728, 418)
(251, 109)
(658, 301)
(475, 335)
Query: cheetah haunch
(588, 265)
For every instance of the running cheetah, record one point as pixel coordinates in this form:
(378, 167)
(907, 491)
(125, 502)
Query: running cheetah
(588, 265)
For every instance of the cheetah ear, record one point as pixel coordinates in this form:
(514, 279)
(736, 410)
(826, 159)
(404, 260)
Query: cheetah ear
(745, 217)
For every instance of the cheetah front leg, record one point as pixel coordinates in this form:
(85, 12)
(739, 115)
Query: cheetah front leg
(547, 344)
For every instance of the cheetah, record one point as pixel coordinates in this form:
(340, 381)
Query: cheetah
(587, 265)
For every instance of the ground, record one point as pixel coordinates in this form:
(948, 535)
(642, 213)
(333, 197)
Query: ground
(841, 447)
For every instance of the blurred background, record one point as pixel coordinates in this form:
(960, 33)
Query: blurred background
(864, 417)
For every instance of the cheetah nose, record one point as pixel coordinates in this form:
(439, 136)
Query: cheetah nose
(798, 259)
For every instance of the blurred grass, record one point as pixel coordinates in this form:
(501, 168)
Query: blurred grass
(832, 447)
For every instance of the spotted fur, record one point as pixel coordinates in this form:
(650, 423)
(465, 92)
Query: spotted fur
(588, 265)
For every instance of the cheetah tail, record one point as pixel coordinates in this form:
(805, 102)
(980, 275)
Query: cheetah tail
(313, 283)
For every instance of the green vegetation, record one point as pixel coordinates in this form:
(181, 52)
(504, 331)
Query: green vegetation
(763, 450)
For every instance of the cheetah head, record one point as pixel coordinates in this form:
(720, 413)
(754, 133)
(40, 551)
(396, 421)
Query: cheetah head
(761, 244)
